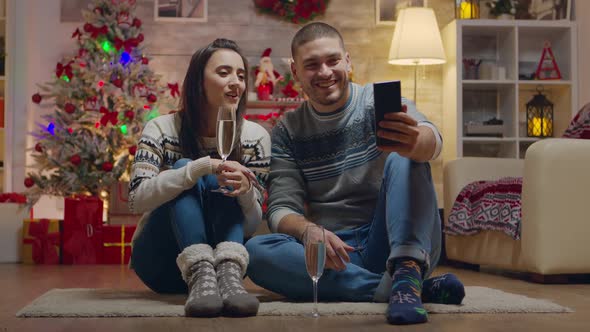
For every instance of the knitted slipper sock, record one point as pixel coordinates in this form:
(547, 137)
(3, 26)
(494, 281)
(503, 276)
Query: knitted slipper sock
(405, 306)
(445, 289)
(231, 261)
(196, 265)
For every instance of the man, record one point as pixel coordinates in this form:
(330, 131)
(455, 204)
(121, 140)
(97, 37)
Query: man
(378, 206)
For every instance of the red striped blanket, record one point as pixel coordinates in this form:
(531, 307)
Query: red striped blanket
(487, 205)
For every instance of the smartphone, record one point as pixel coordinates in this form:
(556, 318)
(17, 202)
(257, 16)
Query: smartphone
(388, 98)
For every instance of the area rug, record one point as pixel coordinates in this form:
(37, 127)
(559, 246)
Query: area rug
(83, 302)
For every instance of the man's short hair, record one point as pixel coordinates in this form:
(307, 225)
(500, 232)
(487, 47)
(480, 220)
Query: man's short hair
(313, 31)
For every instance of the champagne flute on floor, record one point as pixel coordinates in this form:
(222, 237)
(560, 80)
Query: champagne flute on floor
(226, 134)
(314, 240)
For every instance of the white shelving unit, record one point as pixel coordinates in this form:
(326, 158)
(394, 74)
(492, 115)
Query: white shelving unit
(3, 86)
(509, 51)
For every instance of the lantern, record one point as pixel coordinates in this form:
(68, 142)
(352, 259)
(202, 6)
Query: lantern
(467, 9)
(539, 116)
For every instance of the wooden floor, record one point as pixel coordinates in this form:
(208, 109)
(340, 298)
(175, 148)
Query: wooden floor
(19, 284)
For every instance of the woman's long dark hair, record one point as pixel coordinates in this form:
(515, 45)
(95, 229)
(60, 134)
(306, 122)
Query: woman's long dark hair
(193, 102)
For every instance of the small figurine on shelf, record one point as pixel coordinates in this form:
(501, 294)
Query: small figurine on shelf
(502, 9)
(266, 76)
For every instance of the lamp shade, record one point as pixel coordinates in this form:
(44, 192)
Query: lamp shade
(416, 38)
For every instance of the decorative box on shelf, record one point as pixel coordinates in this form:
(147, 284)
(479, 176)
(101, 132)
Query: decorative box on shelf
(480, 129)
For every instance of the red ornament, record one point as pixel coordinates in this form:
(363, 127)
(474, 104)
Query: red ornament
(145, 61)
(107, 166)
(88, 27)
(152, 98)
(69, 108)
(98, 10)
(29, 182)
(118, 83)
(75, 160)
(38, 147)
(36, 98)
(136, 23)
(129, 115)
(140, 37)
(133, 150)
(82, 52)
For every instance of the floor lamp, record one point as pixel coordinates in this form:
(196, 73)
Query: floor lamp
(416, 40)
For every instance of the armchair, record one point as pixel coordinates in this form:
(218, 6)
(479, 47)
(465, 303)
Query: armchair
(555, 229)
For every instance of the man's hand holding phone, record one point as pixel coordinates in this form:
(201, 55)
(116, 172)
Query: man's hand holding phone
(396, 130)
(399, 128)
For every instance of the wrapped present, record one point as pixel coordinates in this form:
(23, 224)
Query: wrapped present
(82, 230)
(119, 199)
(41, 241)
(117, 243)
(12, 213)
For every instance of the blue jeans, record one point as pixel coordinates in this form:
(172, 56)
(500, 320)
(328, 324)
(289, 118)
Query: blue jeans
(195, 216)
(405, 223)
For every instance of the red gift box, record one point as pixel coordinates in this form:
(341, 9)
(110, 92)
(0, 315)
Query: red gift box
(82, 230)
(117, 243)
(41, 241)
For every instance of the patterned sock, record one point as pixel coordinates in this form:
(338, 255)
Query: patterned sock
(236, 300)
(203, 298)
(445, 289)
(405, 306)
(195, 263)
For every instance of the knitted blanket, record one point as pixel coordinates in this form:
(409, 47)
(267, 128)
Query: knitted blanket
(580, 125)
(487, 205)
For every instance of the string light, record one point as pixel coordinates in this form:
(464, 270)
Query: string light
(65, 78)
(107, 46)
(100, 84)
(51, 128)
(124, 129)
(152, 115)
(125, 58)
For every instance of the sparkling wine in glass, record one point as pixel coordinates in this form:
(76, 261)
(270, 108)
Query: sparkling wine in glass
(226, 133)
(314, 240)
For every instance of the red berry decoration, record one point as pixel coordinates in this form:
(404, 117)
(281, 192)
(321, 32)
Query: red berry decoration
(145, 61)
(136, 23)
(69, 108)
(107, 166)
(38, 147)
(75, 160)
(118, 83)
(29, 182)
(36, 98)
(129, 115)
(152, 98)
(133, 150)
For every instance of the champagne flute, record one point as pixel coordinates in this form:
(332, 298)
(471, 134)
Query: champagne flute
(226, 134)
(314, 240)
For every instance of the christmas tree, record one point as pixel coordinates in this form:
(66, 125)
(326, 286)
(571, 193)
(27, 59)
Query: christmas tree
(102, 95)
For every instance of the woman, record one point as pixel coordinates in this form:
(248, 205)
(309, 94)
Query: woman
(191, 239)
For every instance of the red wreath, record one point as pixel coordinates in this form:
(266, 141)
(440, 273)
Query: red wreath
(296, 11)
